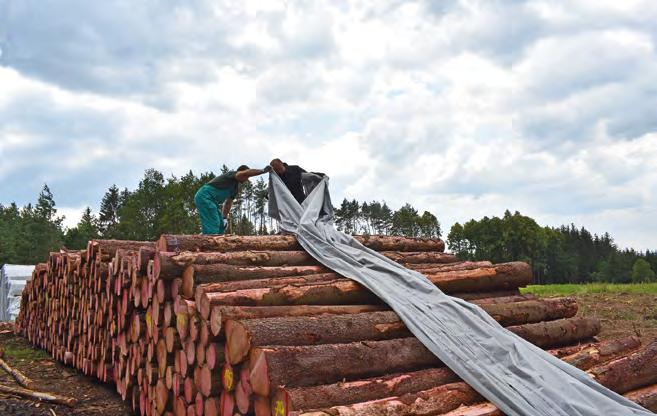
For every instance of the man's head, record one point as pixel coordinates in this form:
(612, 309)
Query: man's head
(240, 169)
(278, 166)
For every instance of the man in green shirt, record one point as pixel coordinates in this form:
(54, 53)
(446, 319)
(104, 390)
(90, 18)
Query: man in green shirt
(221, 190)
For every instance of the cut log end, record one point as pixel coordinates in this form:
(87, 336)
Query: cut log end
(259, 374)
(227, 404)
(238, 342)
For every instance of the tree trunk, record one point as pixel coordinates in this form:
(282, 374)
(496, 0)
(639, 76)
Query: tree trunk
(482, 409)
(558, 333)
(500, 276)
(242, 335)
(108, 248)
(20, 378)
(434, 401)
(168, 242)
(602, 352)
(221, 314)
(628, 373)
(316, 397)
(46, 397)
(307, 366)
(427, 268)
(344, 291)
(646, 397)
(288, 365)
(209, 273)
(397, 385)
(169, 265)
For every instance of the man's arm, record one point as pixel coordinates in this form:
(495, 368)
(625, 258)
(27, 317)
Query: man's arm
(246, 174)
(225, 211)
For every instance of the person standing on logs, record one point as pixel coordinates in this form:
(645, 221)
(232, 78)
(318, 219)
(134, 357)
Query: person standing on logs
(221, 190)
(291, 175)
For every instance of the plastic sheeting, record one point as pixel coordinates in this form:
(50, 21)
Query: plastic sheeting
(12, 282)
(518, 377)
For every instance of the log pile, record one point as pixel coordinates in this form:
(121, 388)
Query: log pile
(237, 325)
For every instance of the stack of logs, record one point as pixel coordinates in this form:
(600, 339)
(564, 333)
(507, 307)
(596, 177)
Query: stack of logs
(230, 325)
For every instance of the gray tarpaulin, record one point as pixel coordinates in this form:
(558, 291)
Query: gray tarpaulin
(518, 377)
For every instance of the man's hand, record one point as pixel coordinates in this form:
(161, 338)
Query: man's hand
(267, 169)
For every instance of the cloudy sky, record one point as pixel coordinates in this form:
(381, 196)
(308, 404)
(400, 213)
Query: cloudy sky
(464, 108)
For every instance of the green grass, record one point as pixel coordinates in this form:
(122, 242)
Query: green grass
(575, 289)
(20, 351)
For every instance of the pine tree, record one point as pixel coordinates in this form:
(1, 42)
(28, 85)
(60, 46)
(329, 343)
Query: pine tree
(87, 229)
(405, 221)
(108, 216)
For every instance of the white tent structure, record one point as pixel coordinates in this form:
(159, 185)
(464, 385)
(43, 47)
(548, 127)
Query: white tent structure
(12, 282)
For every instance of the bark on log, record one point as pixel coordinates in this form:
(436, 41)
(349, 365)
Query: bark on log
(109, 247)
(316, 397)
(306, 366)
(210, 273)
(628, 373)
(242, 335)
(602, 352)
(360, 391)
(646, 397)
(344, 292)
(367, 393)
(426, 268)
(20, 378)
(530, 311)
(46, 397)
(482, 409)
(169, 242)
(558, 333)
(494, 298)
(220, 314)
(289, 365)
(168, 265)
(434, 401)
(470, 296)
(277, 282)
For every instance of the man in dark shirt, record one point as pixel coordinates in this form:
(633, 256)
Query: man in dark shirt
(221, 190)
(291, 176)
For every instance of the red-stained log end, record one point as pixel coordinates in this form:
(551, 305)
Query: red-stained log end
(227, 403)
(258, 374)
(238, 342)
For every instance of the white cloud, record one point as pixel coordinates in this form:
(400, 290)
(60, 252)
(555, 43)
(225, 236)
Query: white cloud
(465, 108)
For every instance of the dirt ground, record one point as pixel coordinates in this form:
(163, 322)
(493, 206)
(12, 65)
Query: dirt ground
(621, 315)
(95, 398)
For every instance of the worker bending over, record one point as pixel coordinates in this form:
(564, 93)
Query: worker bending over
(292, 175)
(221, 190)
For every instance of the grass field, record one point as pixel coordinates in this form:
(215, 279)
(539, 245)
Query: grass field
(624, 309)
(590, 288)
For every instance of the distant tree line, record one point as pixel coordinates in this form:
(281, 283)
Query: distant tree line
(166, 205)
(565, 254)
(161, 205)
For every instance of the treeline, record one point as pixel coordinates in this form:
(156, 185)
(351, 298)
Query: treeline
(566, 254)
(159, 205)
(166, 205)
